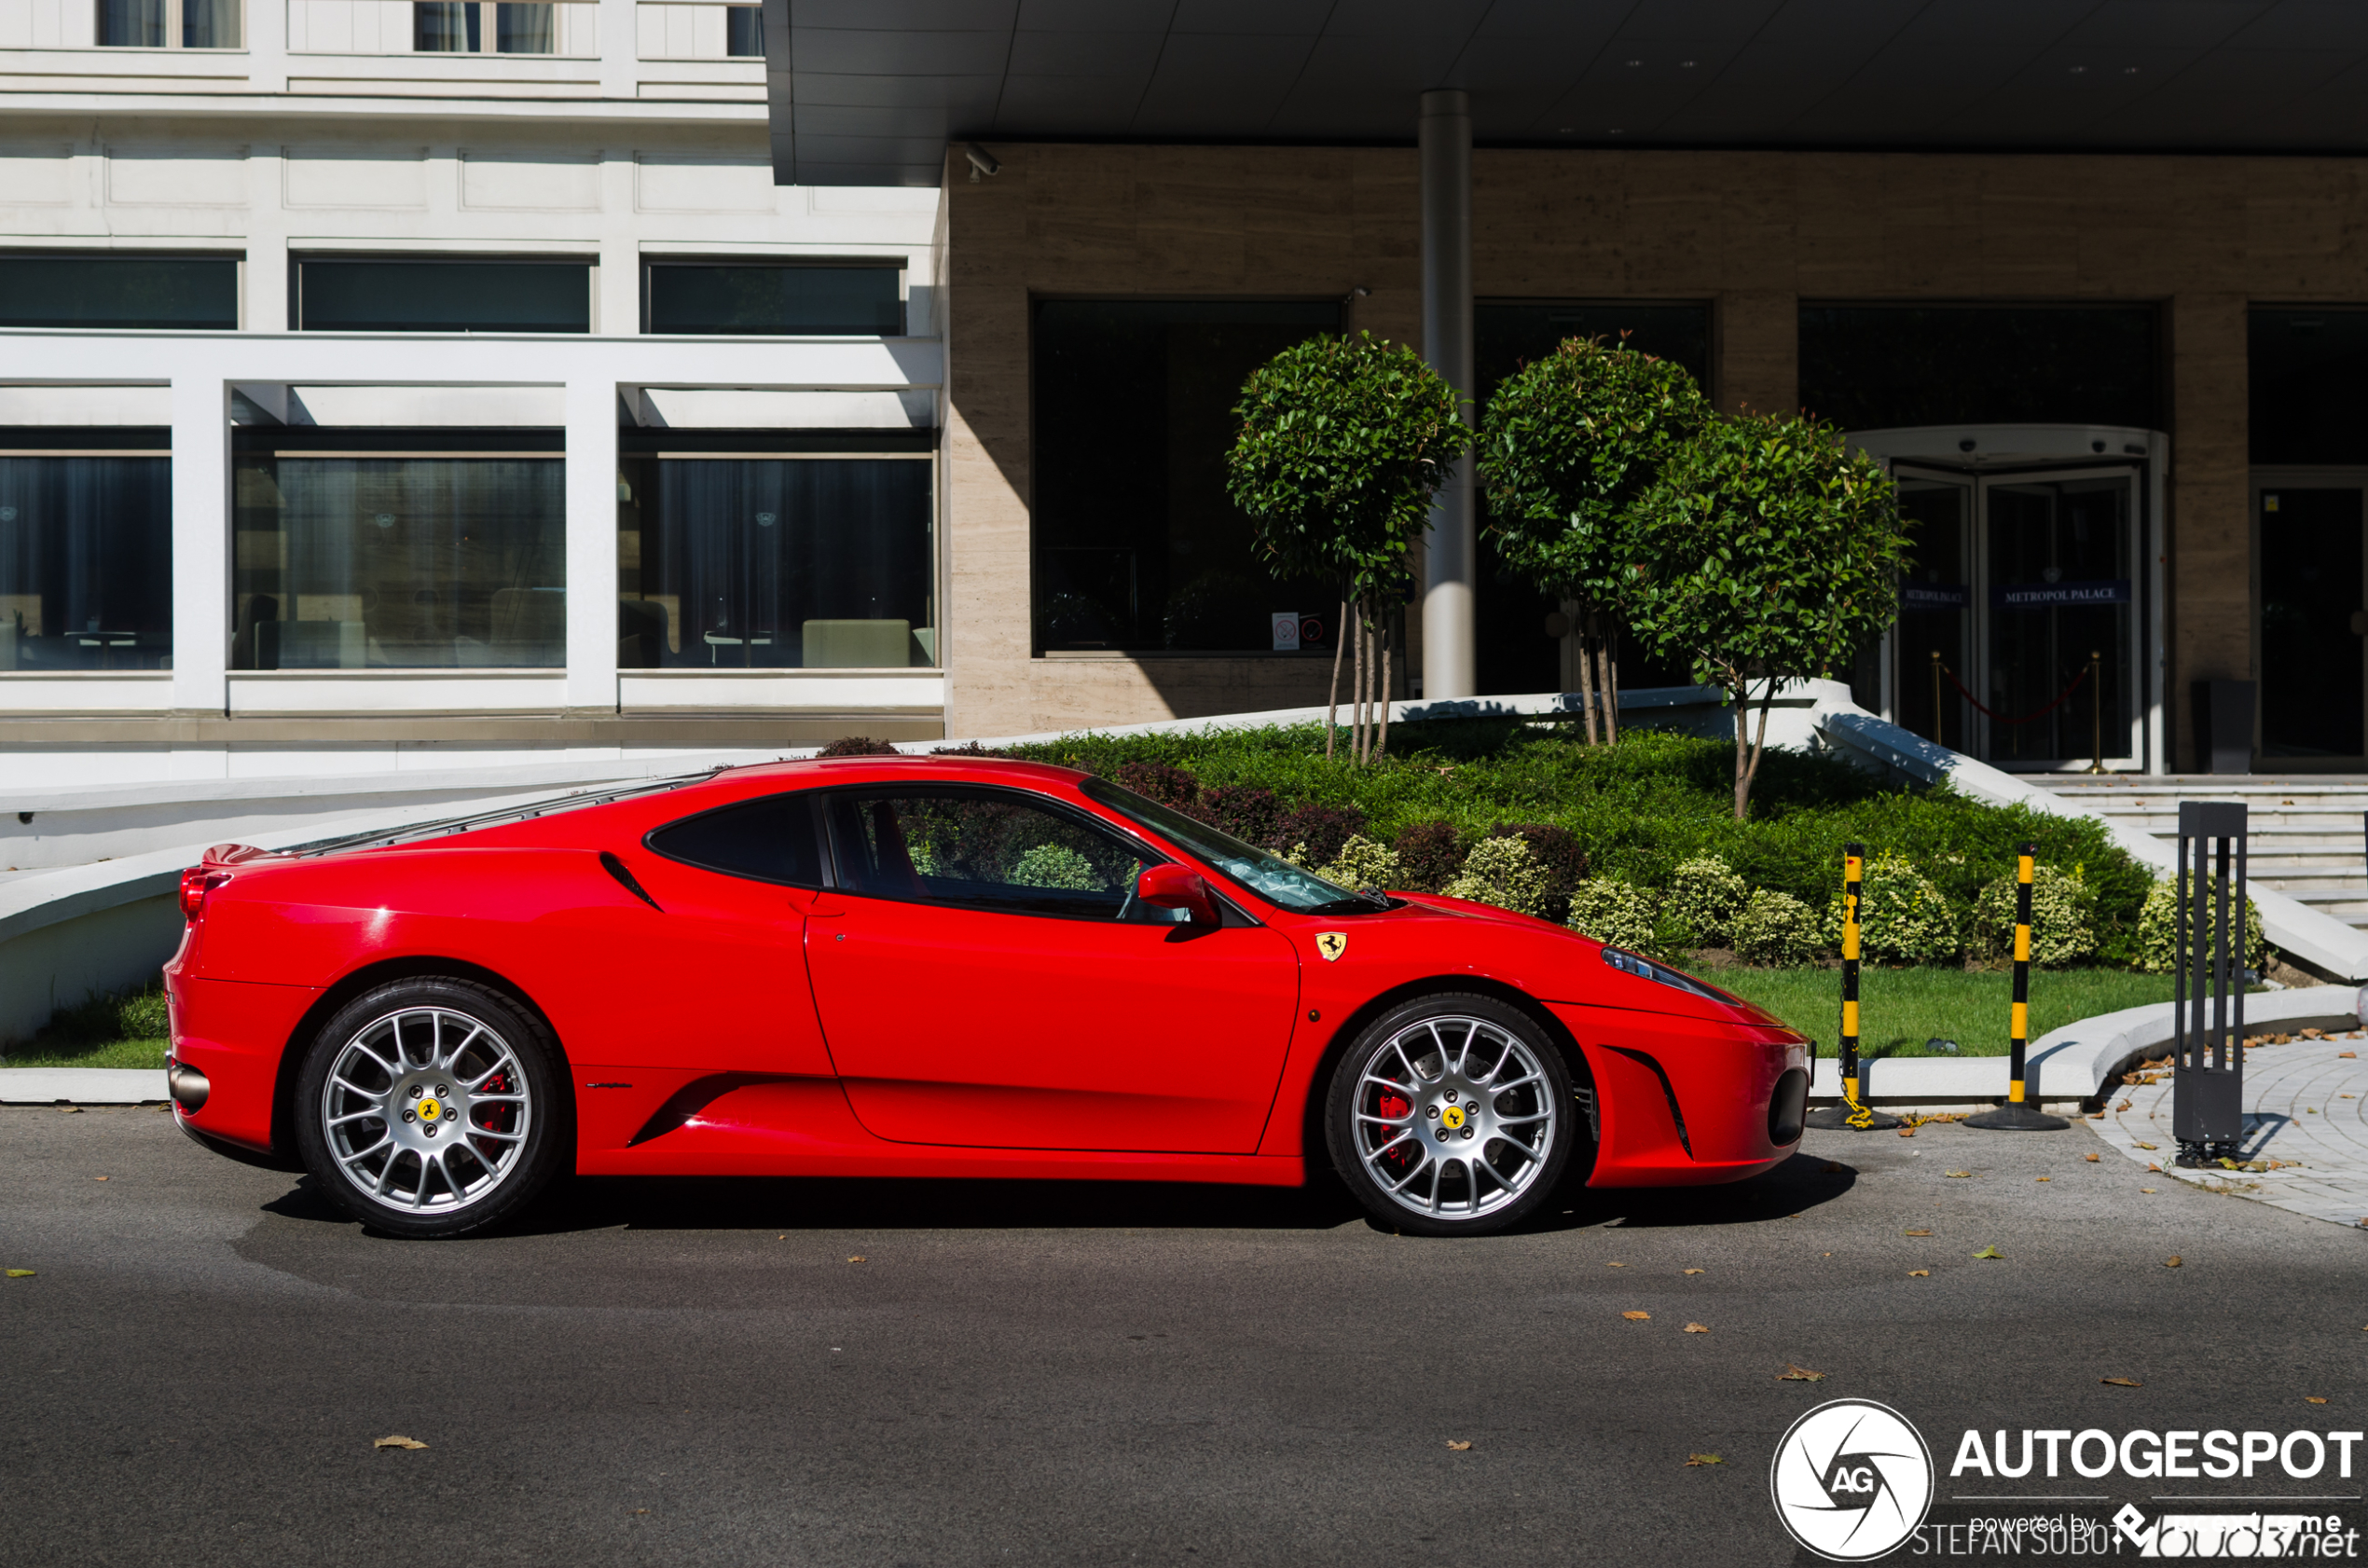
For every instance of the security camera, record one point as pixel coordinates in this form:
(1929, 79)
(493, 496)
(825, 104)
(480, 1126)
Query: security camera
(981, 162)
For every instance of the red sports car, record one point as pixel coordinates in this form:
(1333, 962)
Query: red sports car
(929, 966)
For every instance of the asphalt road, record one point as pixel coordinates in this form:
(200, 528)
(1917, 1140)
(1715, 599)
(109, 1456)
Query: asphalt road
(702, 1372)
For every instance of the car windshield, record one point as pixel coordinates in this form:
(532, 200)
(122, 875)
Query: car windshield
(1269, 876)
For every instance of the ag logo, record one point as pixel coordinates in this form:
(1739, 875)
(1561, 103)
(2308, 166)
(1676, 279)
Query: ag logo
(1852, 1480)
(1331, 944)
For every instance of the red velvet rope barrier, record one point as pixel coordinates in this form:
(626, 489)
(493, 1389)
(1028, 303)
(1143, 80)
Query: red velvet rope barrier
(2061, 698)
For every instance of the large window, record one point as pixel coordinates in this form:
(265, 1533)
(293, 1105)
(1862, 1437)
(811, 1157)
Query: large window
(1516, 651)
(2310, 376)
(400, 560)
(1137, 546)
(135, 292)
(470, 27)
(744, 31)
(157, 24)
(1882, 367)
(753, 562)
(731, 297)
(86, 550)
(389, 294)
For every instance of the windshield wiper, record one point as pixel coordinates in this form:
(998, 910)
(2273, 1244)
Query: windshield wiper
(1363, 901)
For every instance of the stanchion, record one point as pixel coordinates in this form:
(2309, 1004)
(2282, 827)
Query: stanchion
(2019, 1115)
(2208, 1064)
(1849, 1114)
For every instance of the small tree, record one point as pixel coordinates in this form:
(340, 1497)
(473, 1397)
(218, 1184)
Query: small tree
(1343, 441)
(1767, 550)
(1567, 447)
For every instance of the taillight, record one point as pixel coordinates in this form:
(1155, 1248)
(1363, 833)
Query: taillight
(196, 883)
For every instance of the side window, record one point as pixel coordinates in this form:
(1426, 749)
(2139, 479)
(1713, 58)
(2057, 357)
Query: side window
(771, 839)
(984, 850)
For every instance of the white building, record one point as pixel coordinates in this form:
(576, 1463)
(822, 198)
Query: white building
(406, 385)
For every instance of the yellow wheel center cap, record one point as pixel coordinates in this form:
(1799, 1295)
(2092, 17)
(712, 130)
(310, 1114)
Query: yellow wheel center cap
(1452, 1117)
(429, 1110)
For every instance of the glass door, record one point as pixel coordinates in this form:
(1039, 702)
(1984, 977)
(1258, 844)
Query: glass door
(2060, 624)
(2313, 682)
(1934, 637)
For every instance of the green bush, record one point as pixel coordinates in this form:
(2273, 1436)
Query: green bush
(1502, 871)
(1615, 912)
(1777, 929)
(139, 1014)
(2157, 932)
(1704, 896)
(2060, 932)
(1903, 916)
(1053, 865)
(1363, 863)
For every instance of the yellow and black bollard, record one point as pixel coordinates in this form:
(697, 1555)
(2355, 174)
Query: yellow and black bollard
(1851, 1113)
(2019, 1115)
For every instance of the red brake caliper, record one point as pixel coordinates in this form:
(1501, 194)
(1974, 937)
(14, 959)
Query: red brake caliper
(1393, 1107)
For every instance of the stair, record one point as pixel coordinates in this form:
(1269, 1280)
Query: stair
(2309, 837)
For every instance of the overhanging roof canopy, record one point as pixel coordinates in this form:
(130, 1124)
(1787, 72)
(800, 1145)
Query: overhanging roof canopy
(869, 91)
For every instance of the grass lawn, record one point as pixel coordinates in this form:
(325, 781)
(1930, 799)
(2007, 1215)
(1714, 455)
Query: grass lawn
(1900, 1009)
(108, 1053)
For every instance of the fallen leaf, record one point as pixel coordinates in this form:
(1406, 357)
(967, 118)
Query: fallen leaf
(1693, 1271)
(2122, 1383)
(2150, 1189)
(1907, 1132)
(398, 1441)
(2151, 1167)
(2047, 1178)
(2347, 1053)
(859, 1258)
(2125, 1105)
(2172, 1261)
(1698, 1328)
(1798, 1374)
(1459, 1447)
(1832, 1169)
(20, 1274)
(71, 1110)
(1915, 1232)
(98, 1178)
(1637, 1317)
(1957, 1173)
(2091, 1158)
(1990, 1251)
(2147, 1147)
(2312, 1399)
(1920, 1274)
(640, 1510)
(1696, 1460)
(1615, 1265)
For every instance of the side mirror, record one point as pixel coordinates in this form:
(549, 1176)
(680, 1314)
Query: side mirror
(1178, 887)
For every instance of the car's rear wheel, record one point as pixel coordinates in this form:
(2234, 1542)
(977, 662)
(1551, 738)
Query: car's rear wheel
(431, 1107)
(1451, 1114)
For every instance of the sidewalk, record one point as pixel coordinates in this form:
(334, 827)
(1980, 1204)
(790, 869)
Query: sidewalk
(2306, 1106)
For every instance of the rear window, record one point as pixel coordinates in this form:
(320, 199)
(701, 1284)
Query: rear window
(771, 839)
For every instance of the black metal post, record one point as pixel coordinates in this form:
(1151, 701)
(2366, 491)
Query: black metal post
(2208, 1058)
(2019, 1115)
(1850, 1113)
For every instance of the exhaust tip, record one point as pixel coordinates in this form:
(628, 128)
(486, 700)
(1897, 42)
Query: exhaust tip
(188, 1086)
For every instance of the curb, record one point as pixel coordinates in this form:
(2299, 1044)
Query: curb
(82, 1086)
(2076, 1061)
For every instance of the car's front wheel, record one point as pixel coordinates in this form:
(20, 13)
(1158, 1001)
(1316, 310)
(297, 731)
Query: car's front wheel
(431, 1107)
(1451, 1114)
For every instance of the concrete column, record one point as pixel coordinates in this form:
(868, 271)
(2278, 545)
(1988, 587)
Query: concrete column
(1450, 665)
(200, 545)
(591, 500)
(2210, 502)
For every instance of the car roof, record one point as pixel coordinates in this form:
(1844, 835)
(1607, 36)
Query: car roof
(903, 768)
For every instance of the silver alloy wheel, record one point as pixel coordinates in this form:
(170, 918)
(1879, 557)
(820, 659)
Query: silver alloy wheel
(426, 1109)
(1455, 1117)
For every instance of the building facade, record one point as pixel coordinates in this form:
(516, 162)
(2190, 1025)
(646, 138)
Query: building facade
(390, 385)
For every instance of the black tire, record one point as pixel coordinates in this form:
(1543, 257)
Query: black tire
(1513, 1143)
(510, 1132)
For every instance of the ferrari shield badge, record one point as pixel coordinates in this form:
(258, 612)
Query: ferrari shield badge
(1331, 944)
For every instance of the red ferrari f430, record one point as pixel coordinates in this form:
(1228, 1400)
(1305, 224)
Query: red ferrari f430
(930, 967)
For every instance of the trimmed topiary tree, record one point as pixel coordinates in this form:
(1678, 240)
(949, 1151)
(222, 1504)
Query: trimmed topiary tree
(1704, 896)
(1567, 446)
(1363, 863)
(1615, 912)
(2158, 932)
(1777, 929)
(1502, 871)
(1344, 441)
(1767, 550)
(1903, 916)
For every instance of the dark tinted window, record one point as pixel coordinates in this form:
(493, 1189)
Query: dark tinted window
(1137, 545)
(849, 301)
(766, 840)
(744, 31)
(2310, 373)
(86, 561)
(1876, 366)
(138, 292)
(984, 848)
(390, 295)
